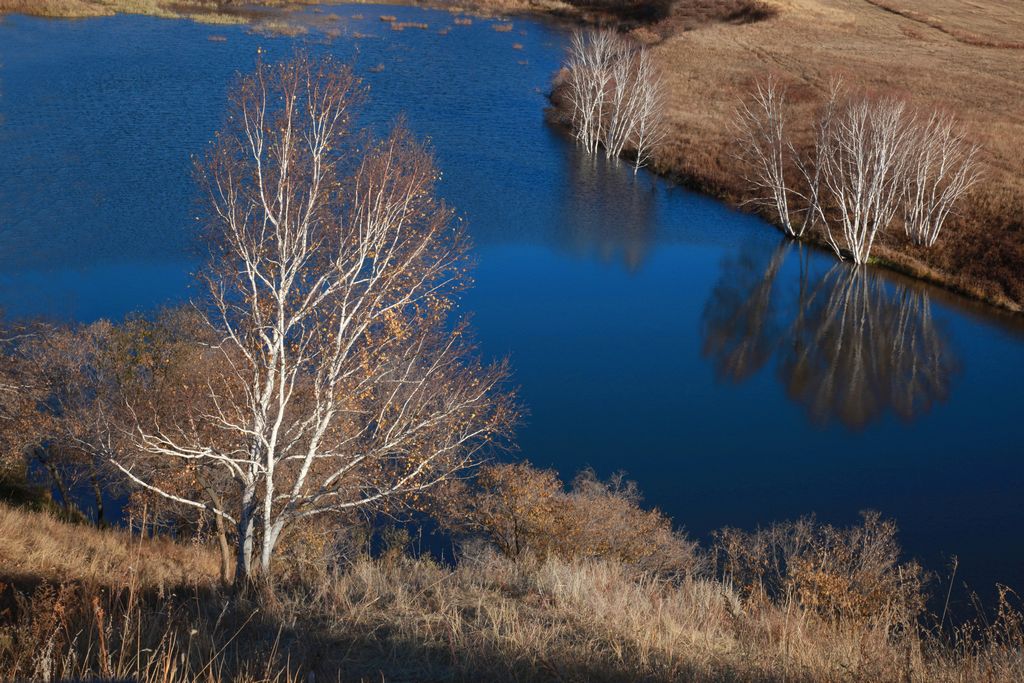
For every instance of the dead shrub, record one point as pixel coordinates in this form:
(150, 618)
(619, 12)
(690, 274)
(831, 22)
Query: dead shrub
(843, 574)
(522, 509)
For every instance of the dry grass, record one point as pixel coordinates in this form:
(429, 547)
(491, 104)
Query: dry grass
(40, 548)
(402, 25)
(992, 24)
(277, 27)
(490, 618)
(55, 8)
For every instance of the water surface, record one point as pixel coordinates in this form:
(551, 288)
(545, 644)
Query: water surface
(737, 378)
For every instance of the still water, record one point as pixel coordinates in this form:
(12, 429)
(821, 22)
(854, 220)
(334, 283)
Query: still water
(737, 378)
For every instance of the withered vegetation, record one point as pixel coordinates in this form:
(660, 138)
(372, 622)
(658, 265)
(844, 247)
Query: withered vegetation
(797, 601)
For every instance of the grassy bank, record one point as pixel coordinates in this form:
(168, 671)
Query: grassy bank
(80, 602)
(245, 11)
(980, 79)
(37, 547)
(938, 55)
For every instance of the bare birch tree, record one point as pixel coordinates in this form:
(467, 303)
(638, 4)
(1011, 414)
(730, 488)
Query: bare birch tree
(768, 153)
(591, 57)
(341, 383)
(622, 98)
(943, 166)
(764, 149)
(811, 165)
(864, 171)
(869, 159)
(649, 113)
(616, 95)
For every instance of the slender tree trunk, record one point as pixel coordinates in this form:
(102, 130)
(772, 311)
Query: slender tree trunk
(43, 457)
(222, 535)
(269, 527)
(225, 550)
(246, 532)
(97, 491)
(270, 538)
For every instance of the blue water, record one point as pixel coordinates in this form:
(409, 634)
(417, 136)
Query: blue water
(738, 379)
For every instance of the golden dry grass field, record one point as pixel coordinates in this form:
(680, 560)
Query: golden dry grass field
(78, 603)
(41, 548)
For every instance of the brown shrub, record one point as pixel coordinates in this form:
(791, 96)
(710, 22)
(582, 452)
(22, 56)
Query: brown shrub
(524, 509)
(842, 574)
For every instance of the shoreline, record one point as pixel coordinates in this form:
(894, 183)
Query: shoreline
(696, 155)
(883, 257)
(250, 11)
(1006, 316)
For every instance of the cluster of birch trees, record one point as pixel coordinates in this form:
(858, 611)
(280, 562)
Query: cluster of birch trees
(616, 96)
(321, 374)
(872, 162)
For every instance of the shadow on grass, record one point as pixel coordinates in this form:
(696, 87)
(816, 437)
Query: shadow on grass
(124, 633)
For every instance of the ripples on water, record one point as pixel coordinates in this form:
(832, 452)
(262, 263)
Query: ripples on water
(738, 380)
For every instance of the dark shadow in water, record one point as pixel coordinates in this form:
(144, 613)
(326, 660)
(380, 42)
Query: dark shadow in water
(607, 209)
(847, 345)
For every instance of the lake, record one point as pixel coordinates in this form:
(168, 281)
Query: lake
(737, 378)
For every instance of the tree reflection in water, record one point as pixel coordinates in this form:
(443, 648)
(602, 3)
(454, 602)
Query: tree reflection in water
(607, 209)
(741, 326)
(847, 345)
